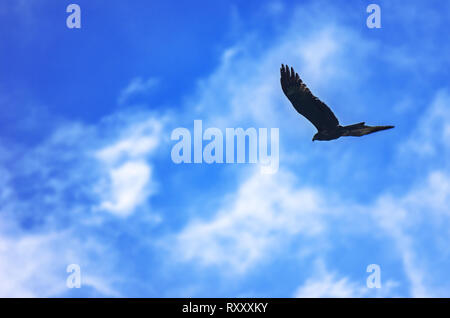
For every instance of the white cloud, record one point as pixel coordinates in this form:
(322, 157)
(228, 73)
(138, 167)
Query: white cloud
(128, 184)
(137, 86)
(432, 135)
(61, 177)
(34, 265)
(329, 286)
(131, 147)
(318, 52)
(267, 212)
(262, 213)
(136, 141)
(128, 172)
(403, 218)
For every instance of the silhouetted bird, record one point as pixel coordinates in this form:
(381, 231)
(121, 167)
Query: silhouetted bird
(317, 112)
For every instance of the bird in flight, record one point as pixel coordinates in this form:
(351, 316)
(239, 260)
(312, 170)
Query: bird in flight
(317, 112)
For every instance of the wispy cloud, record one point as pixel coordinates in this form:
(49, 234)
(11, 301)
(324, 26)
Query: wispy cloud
(263, 213)
(34, 265)
(136, 87)
(49, 203)
(327, 284)
(432, 133)
(128, 182)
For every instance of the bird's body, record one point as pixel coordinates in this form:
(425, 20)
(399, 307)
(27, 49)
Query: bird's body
(317, 112)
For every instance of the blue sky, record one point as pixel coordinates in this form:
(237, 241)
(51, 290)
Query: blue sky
(86, 175)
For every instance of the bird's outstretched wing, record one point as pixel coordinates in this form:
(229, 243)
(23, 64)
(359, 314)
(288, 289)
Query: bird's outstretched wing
(308, 105)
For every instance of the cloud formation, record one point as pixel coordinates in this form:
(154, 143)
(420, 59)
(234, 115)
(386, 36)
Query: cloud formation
(105, 194)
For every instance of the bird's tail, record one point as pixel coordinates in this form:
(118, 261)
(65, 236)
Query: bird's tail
(361, 129)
